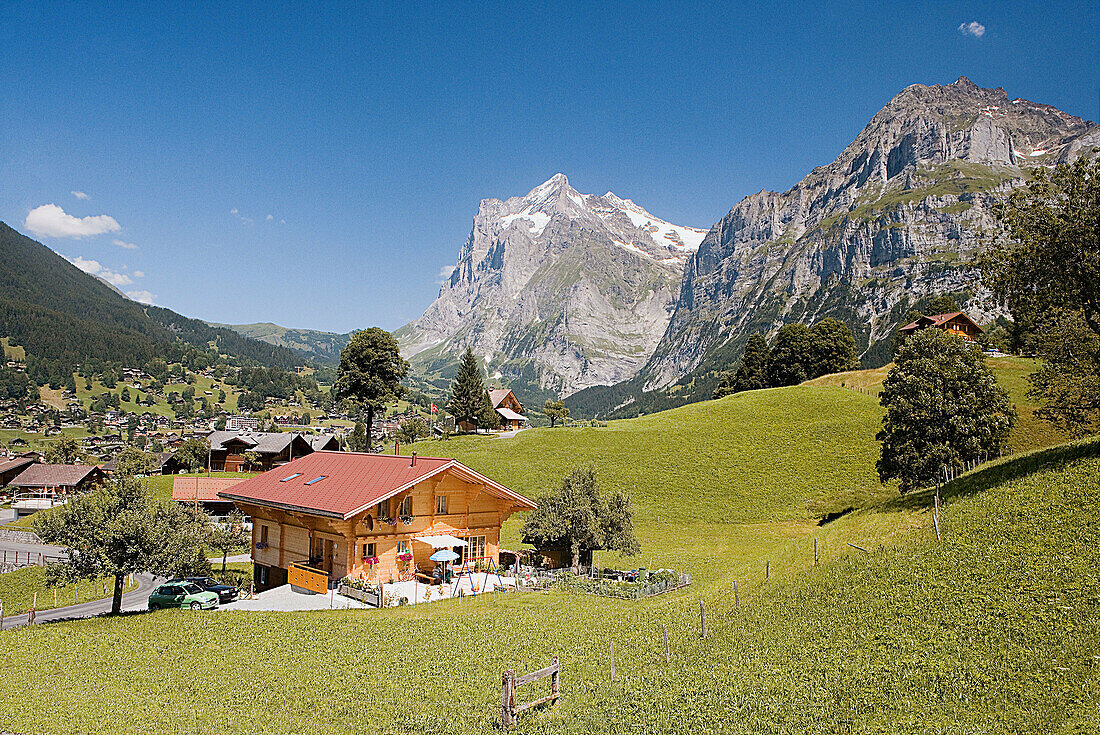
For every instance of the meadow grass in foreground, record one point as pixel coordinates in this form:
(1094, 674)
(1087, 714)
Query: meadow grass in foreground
(911, 636)
(992, 630)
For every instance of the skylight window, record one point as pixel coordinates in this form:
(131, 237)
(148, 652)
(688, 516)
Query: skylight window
(288, 479)
(316, 479)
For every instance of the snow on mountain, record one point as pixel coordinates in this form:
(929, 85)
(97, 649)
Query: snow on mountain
(557, 290)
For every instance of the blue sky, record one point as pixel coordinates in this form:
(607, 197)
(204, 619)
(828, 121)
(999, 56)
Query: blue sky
(316, 167)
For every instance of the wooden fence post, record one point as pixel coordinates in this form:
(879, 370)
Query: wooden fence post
(936, 512)
(612, 660)
(507, 699)
(664, 630)
(554, 679)
(703, 618)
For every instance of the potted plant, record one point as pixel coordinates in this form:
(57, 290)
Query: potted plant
(407, 520)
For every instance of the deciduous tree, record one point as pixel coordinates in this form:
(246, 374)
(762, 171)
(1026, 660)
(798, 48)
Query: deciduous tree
(230, 535)
(63, 451)
(834, 348)
(117, 530)
(357, 439)
(555, 411)
(193, 453)
(943, 408)
(579, 518)
(1049, 255)
(370, 372)
(791, 358)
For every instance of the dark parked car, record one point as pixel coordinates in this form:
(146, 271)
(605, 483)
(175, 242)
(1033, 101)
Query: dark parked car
(226, 593)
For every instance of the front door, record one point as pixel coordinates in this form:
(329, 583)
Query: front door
(330, 551)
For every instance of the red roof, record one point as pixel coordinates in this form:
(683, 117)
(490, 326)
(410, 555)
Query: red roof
(353, 482)
(201, 489)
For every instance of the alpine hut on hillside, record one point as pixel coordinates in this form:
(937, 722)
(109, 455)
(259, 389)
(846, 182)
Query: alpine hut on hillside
(957, 322)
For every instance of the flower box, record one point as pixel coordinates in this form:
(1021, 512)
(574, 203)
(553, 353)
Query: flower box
(367, 597)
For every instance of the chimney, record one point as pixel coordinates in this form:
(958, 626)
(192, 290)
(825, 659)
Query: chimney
(413, 463)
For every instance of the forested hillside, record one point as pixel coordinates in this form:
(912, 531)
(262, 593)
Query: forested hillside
(62, 317)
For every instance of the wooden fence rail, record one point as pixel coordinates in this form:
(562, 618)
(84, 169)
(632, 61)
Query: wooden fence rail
(511, 682)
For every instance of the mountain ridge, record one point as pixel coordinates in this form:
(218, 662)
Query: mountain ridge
(894, 220)
(555, 291)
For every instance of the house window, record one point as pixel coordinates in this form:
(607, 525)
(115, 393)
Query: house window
(474, 548)
(405, 509)
(263, 535)
(382, 510)
(402, 547)
(368, 551)
(441, 505)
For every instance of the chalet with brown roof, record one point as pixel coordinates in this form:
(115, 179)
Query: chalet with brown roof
(10, 468)
(507, 406)
(58, 479)
(370, 515)
(228, 448)
(957, 322)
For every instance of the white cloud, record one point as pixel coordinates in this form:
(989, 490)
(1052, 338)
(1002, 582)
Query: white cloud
(973, 28)
(237, 213)
(52, 221)
(445, 273)
(139, 274)
(95, 268)
(79, 194)
(125, 245)
(143, 297)
(270, 217)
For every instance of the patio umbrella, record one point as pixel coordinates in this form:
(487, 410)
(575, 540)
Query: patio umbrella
(444, 555)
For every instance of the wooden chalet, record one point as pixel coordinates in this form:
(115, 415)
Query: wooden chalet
(57, 479)
(10, 468)
(227, 448)
(957, 322)
(508, 406)
(338, 512)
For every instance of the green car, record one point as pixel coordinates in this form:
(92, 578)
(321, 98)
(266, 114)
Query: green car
(182, 594)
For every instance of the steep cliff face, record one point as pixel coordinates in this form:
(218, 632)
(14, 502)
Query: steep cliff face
(556, 290)
(898, 216)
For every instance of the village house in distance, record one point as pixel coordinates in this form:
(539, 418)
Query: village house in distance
(351, 514)
(957, 322)
(508, 406)
(229, 449)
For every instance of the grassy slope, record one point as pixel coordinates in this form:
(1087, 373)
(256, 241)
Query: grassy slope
(1030, 432)
(812, 650)
(17, 590)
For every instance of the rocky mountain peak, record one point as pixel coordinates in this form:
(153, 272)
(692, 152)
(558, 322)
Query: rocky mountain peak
(557, 288)
(893, 219)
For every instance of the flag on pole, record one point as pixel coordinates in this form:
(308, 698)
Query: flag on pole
(435, 408)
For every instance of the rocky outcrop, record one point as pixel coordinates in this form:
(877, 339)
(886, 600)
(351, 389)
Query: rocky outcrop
(898, 216)
(555, 290)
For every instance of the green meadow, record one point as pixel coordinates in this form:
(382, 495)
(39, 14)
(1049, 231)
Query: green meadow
(990, 630)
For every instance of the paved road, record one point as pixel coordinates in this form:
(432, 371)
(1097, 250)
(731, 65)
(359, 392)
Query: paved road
(134, 600)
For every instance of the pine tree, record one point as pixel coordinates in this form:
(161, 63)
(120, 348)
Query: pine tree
(468, 394)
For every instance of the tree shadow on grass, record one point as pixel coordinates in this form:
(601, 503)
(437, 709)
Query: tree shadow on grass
(995, 473)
